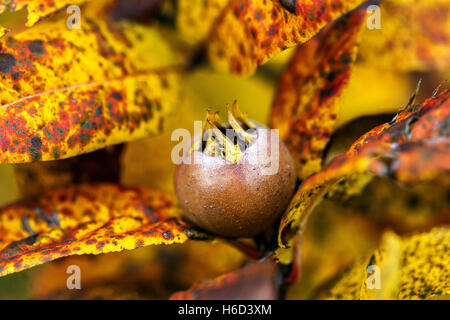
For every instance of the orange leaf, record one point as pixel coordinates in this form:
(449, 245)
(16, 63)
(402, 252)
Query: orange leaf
(256, 281)
(307, 100)
(86, 219)
(249, 32)
(399, 149)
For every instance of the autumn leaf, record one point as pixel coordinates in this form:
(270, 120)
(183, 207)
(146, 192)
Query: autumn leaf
(423, 45)
(399, 149)
(37, 9)
(86, 219)
(257, 281)
(67, 92)
(401, 272)
(248, 33)
(308, 97)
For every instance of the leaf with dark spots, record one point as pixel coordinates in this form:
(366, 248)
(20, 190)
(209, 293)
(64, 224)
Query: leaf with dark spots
(7, 61)
(307, 100)
(51, 110)
(59, 227)
(36, 47)
(249, 32)
(410, 157)
(257, 281)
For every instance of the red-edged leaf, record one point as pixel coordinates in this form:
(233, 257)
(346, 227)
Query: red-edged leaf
(249, 32)
(307, 100)
(398, 149)
(68, 92)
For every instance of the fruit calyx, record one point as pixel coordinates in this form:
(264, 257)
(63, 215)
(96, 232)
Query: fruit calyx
(228, 141)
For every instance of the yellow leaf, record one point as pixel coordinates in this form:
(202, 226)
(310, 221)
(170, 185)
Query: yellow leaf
(67, 92)
(86, 219)
(424, 267)
(414, 36)
(308, 98)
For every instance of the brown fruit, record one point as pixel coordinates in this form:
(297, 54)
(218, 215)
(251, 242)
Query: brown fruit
(227, 193)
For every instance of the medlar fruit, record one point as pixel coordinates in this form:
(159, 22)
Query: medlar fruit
(236, 180)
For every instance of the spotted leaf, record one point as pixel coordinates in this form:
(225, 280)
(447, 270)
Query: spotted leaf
(307, 100)
(86, 219)
(67, 92)
(249, 32)
(413, 147)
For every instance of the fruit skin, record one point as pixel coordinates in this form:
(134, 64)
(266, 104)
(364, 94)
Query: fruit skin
(235, 199)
